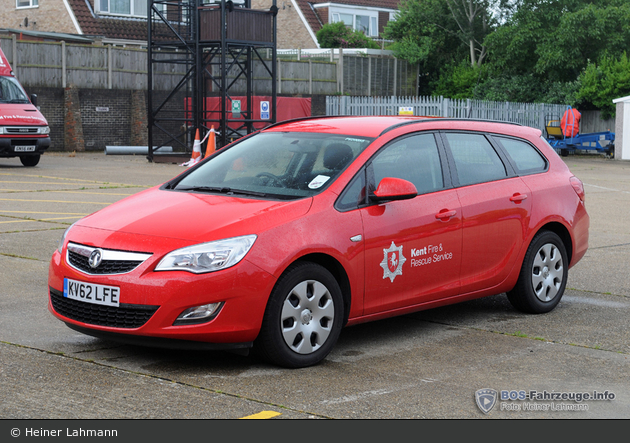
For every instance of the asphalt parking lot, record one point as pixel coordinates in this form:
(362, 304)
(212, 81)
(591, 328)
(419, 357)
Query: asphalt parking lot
(423, 365)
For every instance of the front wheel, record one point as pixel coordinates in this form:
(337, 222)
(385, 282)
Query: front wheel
(543, 276)
(303, 319)
(29, 160)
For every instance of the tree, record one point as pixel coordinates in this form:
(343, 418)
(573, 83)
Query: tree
(603, 82)
(474, 21)
(459, 81)
(433, 31)
(554, 40)
(424, 34)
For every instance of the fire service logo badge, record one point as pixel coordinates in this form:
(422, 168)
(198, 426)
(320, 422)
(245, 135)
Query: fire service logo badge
(392, 262)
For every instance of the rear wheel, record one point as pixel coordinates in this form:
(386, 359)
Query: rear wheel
(303, 318)
(29, 160)
(543, 276)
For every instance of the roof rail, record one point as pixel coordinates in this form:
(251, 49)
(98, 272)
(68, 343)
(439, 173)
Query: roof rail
(411, 122)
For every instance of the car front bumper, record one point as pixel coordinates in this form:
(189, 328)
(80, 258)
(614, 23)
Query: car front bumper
(159, 298)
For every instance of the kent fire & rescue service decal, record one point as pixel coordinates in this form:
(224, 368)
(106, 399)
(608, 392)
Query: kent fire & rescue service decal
(392, 261)
(393, 258)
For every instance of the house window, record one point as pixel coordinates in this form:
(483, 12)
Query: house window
(362, 20)
(136, 8)
(26, 3)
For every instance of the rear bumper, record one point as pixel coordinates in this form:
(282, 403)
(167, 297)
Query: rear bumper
(10, 146)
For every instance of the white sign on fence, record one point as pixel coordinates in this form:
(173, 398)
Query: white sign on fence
(264, 110)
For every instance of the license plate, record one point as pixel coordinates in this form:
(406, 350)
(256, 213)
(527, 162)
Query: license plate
(24, 148)
(91, 293)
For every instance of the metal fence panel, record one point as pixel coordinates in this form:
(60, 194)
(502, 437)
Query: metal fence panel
(528, 114)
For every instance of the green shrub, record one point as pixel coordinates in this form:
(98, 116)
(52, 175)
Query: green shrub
(338, 35)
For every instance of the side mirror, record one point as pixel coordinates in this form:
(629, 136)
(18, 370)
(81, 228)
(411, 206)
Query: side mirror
(34, 99)
(394, 189)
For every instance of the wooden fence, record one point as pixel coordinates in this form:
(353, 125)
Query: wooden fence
(60, 64)
(52, 64)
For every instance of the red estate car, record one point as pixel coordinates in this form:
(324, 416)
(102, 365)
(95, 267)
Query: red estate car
(282, 238)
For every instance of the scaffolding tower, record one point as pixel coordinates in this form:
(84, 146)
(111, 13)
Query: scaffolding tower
(204, 52)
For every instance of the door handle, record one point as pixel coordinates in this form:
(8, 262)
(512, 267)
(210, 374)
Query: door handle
(445, 214)
(517, 198)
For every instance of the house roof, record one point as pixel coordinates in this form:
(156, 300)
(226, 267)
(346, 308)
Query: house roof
(110, 27)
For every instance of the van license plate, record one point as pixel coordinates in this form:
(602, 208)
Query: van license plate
(91, 293)
(24, 148)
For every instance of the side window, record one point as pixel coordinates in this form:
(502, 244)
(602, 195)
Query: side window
(476, 160)
(413, 158)
(526, 158)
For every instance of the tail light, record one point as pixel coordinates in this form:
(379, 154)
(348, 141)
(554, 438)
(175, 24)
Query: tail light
(578, 186)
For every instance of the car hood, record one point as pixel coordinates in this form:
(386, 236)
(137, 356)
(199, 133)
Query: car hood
(193, 217)
(20, 115)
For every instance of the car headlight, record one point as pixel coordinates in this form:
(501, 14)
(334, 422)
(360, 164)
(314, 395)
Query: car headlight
(208, 257)
(1, 129)
(63, 238)
(44, 130)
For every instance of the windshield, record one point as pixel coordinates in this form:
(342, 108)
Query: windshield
(11, 91)
(276, 164)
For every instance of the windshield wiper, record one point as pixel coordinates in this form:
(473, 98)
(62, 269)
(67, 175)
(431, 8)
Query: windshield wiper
(223, 190)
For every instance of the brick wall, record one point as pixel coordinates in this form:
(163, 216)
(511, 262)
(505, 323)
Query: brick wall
(383, 19)
(49, 16)
(106, 116)
(292, 33)
(51, 104)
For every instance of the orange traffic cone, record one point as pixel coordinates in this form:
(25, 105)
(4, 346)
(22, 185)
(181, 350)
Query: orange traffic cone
(196, 154)
(211, 146)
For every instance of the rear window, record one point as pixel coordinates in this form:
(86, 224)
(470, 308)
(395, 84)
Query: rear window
(525, 158)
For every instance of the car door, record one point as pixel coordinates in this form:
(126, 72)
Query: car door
(496, 206)
(412, 247)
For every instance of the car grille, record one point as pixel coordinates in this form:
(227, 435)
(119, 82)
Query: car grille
(21, 130)
(112, 262)
(124, 316)
(107, 267)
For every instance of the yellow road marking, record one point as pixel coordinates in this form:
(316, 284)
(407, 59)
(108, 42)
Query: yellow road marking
(41, 183)
(71, 179)
(91, 193)
(39, 220)
(50, 201)
(50, 213)
(51, 191)
(262, 415)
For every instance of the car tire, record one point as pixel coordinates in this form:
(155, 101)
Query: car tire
(543, 275)
(303, 318)
(29, 160)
